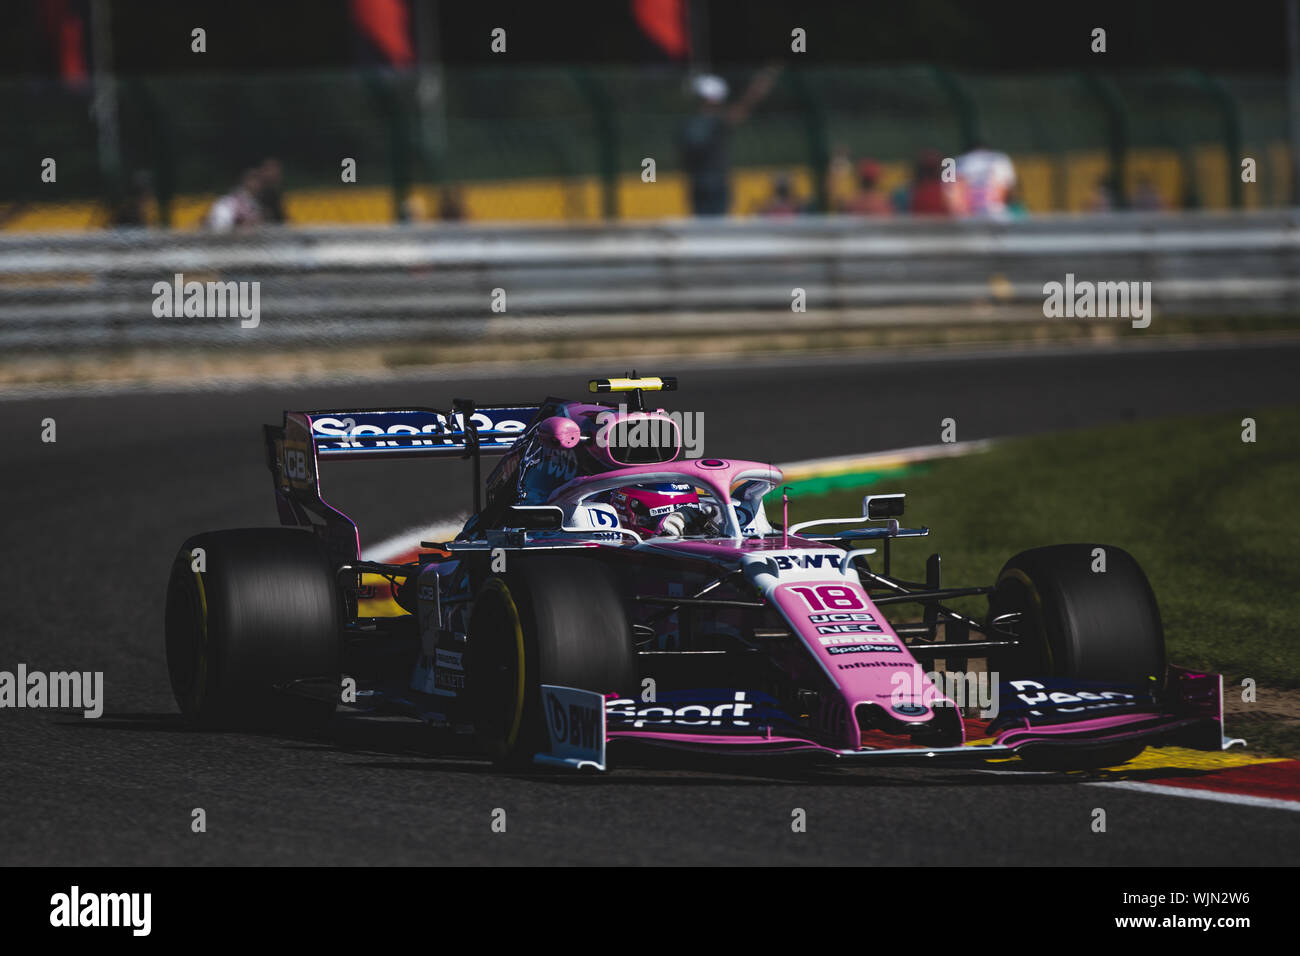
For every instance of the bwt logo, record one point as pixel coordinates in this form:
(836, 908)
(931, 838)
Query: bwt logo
(787, 562)
(575, 724)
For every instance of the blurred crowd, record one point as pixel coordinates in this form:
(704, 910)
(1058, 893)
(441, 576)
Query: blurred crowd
(978, 183)
(256, 199)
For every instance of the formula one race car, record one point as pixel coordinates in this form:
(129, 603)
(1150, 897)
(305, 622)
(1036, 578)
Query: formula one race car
(609, 591)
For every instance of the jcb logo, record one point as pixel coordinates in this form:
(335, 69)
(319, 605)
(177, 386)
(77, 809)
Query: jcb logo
(295, 464)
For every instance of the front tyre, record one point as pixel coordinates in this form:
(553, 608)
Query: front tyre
(550, 620)
(1083, 624)
(1079, 623)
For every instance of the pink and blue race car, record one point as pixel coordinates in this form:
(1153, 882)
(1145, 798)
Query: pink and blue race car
(608, 592)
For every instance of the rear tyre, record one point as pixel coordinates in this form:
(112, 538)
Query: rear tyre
(263, 613)
(549, 620)
(1083, 624)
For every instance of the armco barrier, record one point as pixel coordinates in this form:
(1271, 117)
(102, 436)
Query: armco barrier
(343, 285)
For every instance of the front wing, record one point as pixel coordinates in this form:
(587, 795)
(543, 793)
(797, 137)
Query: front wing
(1189, 712)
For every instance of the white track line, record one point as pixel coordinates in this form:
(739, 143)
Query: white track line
(814, 467)
(1245, 800)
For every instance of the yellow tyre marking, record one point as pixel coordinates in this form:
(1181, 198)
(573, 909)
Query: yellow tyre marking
(496, 584)
(201, 684)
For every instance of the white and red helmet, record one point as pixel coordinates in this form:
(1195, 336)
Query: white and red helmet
(643, 508)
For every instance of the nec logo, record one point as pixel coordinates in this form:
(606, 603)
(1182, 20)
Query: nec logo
(786, 562)
(573, 724)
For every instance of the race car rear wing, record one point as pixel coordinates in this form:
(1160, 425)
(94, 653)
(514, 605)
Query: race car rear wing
(417, 432)
(295, 449)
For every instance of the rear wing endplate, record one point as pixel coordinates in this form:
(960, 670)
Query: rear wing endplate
(295, 449)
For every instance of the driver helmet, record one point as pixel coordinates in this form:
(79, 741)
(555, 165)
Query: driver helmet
(644, 508)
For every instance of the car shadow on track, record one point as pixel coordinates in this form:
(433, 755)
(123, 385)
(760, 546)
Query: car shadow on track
(423, 749)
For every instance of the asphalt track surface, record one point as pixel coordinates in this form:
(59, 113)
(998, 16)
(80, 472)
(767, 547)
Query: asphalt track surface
(92, 522)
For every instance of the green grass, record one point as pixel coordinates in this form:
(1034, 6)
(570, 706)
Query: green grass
(1214, 522)
(1280, 739)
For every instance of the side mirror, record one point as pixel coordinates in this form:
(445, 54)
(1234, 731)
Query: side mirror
(560, 432)
(882, 506)
(536, 517)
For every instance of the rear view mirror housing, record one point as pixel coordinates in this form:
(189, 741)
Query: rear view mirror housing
(536, 517)
(559, 432)
(876, 507)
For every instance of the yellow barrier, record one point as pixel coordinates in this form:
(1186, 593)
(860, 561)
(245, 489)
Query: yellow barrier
(1043, 178)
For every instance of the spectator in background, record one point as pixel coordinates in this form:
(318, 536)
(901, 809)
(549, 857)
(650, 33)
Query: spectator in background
(1103, 196)
(782, 202)
(1016, 207)
(1146, 196)
(270, 195)
(705, 134)
(870, 199)
(900, 199)
(449, 207)
(239, 208)
(929, 194)
(451, 204)
(132, 207)
(987, 176)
